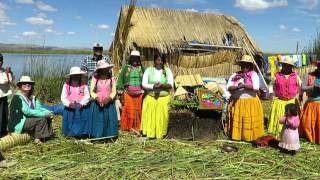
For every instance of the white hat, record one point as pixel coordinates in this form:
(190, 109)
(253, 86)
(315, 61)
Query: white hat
(247, 58)
(25, 79)
(102, 64)
(76, 71)
(97, 45)
(287, 60)
(135, 53)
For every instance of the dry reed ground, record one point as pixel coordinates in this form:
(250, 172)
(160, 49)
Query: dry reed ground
(131, 157)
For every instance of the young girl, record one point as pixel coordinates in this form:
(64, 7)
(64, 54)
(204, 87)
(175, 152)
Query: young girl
(289, 141)
(75, 98)
(104, 121)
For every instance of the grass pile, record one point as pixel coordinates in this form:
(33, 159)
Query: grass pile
(136, 158)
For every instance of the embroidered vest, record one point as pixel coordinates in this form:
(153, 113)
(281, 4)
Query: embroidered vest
(163, 79)
(245, 78)
(75, 93)
(286, 88)
(103, 88)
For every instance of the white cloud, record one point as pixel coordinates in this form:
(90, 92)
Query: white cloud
(45, 7)
(283, 27)
(29, 34)
(4, 19)
(71, 33)
(309, 4)
(16, 36)
(296, 30)
(40, 19)
(154, 5)
(25, 1)
(103, 26)
(112, 34)
(256, 5)
(192, 10)
(190, 1)
(213, 11)
(77, 17)
(3, 30)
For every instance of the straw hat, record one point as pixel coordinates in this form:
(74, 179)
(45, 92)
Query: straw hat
(247, 58)
(25, 79)
(102, 64)
(76, 71)
(135, 53)
(287, 60)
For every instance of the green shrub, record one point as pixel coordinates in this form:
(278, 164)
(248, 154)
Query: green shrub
(49, 77)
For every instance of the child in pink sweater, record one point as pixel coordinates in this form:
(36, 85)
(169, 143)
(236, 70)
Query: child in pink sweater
(289, 141)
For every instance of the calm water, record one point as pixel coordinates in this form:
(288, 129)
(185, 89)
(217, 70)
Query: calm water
(18, 61)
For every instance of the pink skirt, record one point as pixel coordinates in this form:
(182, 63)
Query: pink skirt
(289, 139)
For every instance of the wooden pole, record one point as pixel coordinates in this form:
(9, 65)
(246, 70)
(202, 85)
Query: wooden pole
(259, 72)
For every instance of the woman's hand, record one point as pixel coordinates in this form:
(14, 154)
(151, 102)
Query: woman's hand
(72, 105)
(157, 85)
(50, 115)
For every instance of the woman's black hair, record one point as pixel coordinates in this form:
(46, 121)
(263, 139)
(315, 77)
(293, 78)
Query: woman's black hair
(1, 57)
(162, 56)
(135, 58)
(247, 64)
(293, 109)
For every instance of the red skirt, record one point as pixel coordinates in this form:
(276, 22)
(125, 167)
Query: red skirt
(131, 112)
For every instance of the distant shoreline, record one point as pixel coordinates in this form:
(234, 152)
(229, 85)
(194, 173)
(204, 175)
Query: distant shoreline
(46, 51)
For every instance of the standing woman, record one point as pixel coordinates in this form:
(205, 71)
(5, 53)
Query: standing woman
(27, 115)
(75, 97)
(310, 117)
(129, 85)
(5, 91)
(286, 89)
(104, 122)
(246, 113)
(158, 82)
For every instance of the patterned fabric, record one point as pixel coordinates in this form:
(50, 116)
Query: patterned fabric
(246, 119)
(89, 64)
(134, 76)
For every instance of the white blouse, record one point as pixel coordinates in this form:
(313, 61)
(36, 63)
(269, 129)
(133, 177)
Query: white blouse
(66, 102)
(157, 78)
(245, 93)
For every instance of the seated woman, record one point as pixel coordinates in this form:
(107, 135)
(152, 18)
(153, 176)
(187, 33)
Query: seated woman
(27, 115)
(75, 97)
(158, 82)
(104, 122)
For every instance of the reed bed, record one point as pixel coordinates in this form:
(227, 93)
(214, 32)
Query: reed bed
(132, 157)
(136, 158)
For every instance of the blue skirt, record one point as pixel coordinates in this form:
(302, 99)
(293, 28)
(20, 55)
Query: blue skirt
(74, 121)
(104, 121)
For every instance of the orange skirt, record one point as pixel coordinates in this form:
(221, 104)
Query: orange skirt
(310, 121)
(131, 112)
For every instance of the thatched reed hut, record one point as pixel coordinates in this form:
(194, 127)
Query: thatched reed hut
(204, 43)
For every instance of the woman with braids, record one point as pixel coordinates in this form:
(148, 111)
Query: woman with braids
(246, 113)
(129, 85)
(157, 82)
(104, 122)
(75, 97)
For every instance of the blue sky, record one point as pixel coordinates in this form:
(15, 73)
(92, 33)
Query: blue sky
(276, 25)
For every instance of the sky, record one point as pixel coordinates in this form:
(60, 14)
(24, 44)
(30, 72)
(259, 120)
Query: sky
(275, 25)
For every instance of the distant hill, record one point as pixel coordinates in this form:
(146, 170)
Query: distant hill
(23, 48)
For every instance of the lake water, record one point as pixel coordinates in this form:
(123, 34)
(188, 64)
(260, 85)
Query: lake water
(17, 62)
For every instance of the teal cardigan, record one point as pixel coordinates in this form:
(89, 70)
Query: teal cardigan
(20, 111)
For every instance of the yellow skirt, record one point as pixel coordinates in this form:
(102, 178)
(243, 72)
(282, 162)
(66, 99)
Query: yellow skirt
(155, 116)
(277, 112)
(246, 119)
